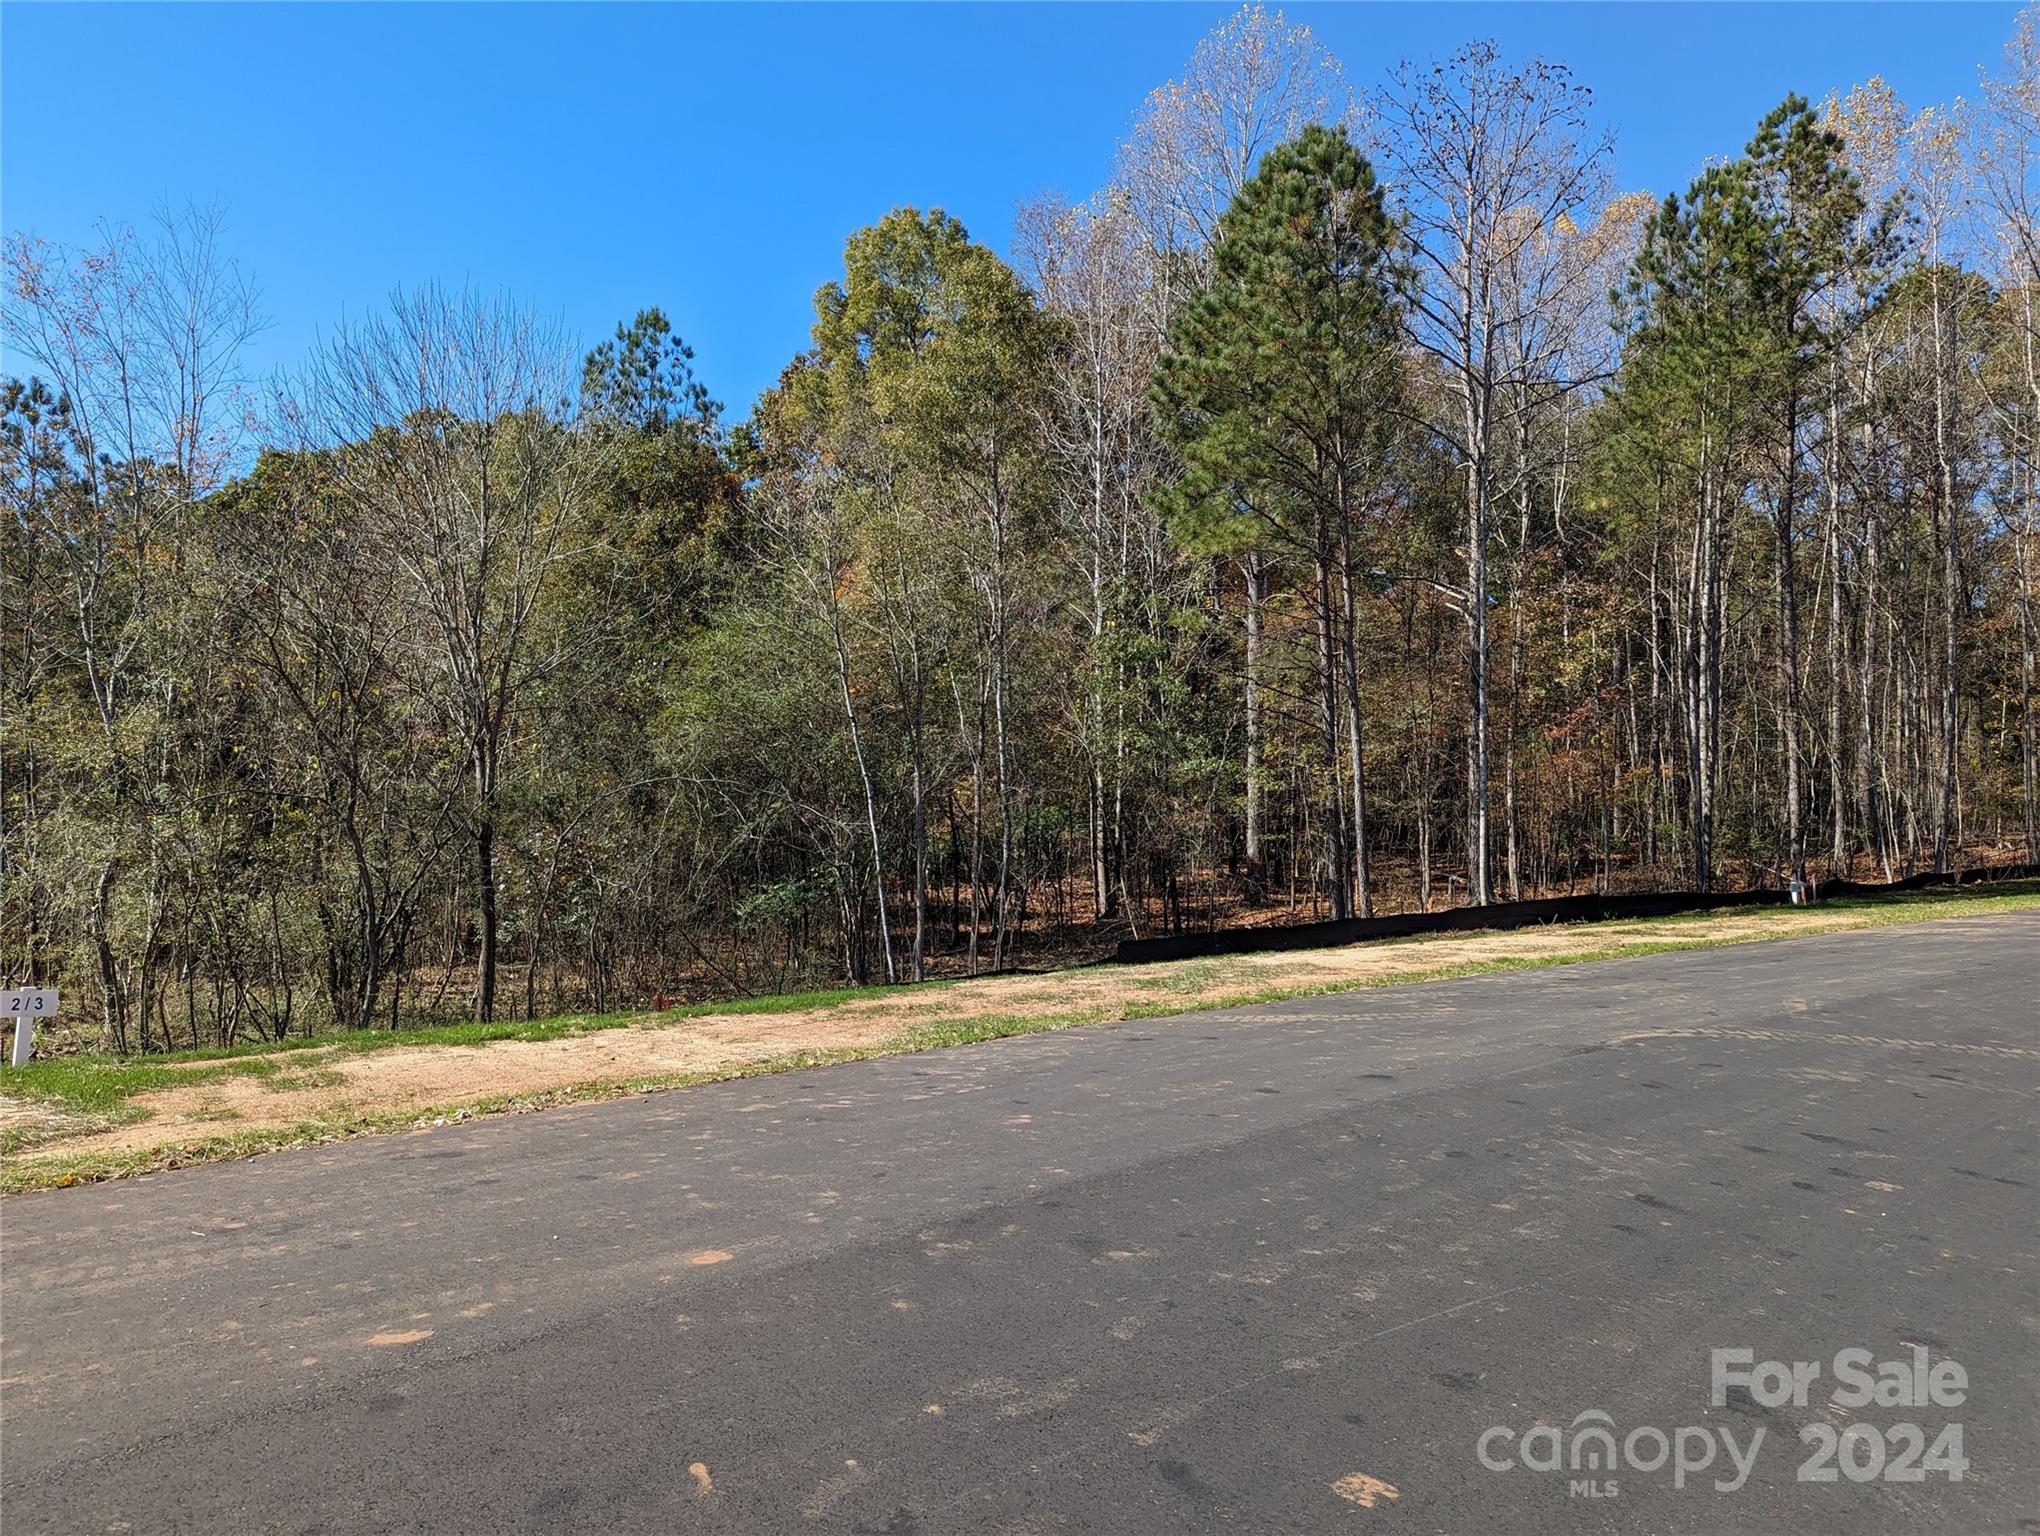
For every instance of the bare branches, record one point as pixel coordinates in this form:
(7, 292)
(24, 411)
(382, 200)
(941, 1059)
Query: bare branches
(1255, 82)
(447, 429)
(1497, 171)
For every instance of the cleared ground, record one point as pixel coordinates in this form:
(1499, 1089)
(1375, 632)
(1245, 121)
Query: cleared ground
(203, 1110)
(1269, 1269)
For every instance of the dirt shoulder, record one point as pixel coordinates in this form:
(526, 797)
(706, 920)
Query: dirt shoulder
(311, 1095)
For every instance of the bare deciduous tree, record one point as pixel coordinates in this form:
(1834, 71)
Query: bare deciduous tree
(447, 427)
(140, 340)
(1486, 159)
(1253, 83)
(1093, 272)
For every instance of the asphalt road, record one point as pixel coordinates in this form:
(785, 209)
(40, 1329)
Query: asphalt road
(1277, 1269)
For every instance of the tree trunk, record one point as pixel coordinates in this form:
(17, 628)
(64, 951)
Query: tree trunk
(1788, 641)
(1946, 520)
(113, 1000)
(1838, 836)
(1363, 895)
(1328, 728)
(1480, 886)
(485, 877)
(1257, 594)
(864, 779)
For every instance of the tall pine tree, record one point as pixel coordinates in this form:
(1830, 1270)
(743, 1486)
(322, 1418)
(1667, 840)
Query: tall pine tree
(1276, 389)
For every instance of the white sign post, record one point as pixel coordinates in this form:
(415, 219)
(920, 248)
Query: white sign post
(26, 1006)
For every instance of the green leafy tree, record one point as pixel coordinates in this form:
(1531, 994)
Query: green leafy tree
(922, 405)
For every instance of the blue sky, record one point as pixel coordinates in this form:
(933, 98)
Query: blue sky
(592, 159)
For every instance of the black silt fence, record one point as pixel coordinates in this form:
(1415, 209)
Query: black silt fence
(1523, 914)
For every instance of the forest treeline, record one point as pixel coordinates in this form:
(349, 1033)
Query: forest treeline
(1361, 504)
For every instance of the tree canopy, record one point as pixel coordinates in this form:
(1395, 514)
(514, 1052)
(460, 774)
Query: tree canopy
(1360, 504)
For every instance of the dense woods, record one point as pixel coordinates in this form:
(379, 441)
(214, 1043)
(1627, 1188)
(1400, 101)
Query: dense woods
(1362, 504)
